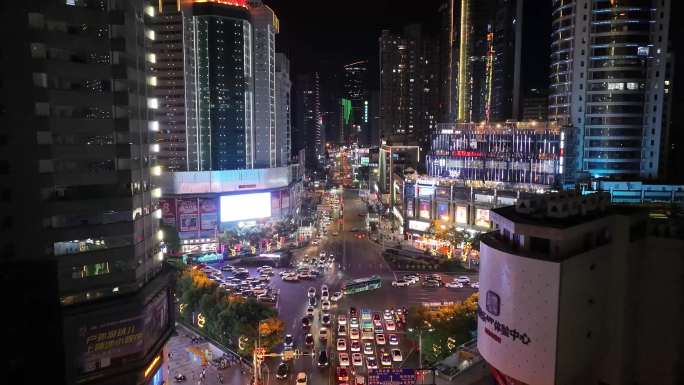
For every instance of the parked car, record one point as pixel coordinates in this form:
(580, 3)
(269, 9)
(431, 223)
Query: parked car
(301, 378)
(396, 355)
(462, 279)
(283, 371)
(454, 285)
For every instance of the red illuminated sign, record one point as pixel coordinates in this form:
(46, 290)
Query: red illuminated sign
(236, 3)
(464, 153)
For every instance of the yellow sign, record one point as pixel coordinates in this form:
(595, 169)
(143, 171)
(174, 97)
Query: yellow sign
(201, 320)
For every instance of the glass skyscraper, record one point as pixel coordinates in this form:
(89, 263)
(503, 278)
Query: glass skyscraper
(219, 86)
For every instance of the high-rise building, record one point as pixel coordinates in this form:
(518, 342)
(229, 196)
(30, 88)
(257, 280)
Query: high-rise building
(409, 86)
(355, 90)
(308, 118)
(79, 239)
(571, 293)
(219, 85)
(265, 26)
(283, 111)
(608, 78)
(167, 74)
(535, 105)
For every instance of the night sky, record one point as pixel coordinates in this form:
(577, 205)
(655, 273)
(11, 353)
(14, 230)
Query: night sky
(316, 34)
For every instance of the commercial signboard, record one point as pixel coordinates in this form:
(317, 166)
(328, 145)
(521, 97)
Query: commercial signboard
(443, 210)
(424, 209)
(482, 218)
(419, 225)
(188, 214)
(462, 215)
(208, 213)
(168, 208)
(517, 323)
(110, 344)
(409, 208)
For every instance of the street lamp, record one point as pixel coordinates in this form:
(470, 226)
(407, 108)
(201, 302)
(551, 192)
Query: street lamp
(420, 342)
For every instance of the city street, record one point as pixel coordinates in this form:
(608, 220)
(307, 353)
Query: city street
(354, 258)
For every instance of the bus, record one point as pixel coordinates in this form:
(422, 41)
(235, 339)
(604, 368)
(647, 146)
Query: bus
(362, 284)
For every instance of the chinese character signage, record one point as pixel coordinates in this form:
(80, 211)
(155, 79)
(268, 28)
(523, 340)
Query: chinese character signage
(188, 214)
(208, 213)
(168, 207)
(110, 344)
(393, 376)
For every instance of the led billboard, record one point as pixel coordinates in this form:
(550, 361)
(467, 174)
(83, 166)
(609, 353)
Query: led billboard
(240, 207)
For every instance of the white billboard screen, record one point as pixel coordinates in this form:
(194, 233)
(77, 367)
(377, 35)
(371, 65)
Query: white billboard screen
(245, 206)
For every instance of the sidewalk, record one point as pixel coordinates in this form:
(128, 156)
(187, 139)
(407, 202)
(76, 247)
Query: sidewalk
(187, 359)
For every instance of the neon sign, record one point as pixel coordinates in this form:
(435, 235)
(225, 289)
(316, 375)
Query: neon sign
(464, 153)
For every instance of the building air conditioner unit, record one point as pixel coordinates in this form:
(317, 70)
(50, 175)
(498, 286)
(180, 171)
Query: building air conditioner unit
(558, 208)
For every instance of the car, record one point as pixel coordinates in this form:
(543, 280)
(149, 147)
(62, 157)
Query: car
(341, 344)
(312, 301)
(368, 348)
(432, 283)
(309, 340)
(354, 333)
(396, 355)
(475, 285)
(324, 287)
(357, 359)
(310, 311)
(380, 339)
(342, 374)
(301, 378)
(311, 292)
(400, 283)
(323, 334)
(378, 328)
(371, 362)
(341, 330)
(377, 320)
(322, 359)
(390, 325)
(354, 322)
(325, 305)
(387, 315)
(306, 323)
(283, 371)
(462, 279)
(411, 278)
(290, 278)
(385, 359)
(353, 312)
(393, 339)
(343, 358)
(315, 242)
(325, 319)
(180, 377)
(355, 346)
(288, 341)
(325, 296)
(336, 296)
(454, 285)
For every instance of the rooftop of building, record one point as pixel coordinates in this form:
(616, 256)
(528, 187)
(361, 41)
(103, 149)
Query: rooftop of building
(543, 220)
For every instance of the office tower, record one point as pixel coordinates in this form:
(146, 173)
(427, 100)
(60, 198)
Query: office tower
(167, 74)
(409, 86)
(308, 118)
(265, 26)
(504, 61)
(217, 40)
(330, 82)
(283, 110)
(447, 62)
(608, 67)
(79, 246)
(571, 293)
(355, 90)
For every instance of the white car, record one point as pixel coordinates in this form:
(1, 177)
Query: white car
(454, 285)
(341, 344)
(387, 315)
(312, 292)
(354, 322)
(357, 359)
(354, 333)
(336, 296)
(355, 346)
(342, 319)
(341, 330)
(310, 310)
(290, 278)
(368, 348)
(325, 305)
(396, 355)
(462, 279)
(475, 285)
(380, 339)
(400, 283)
(411, 278)
(323, 334)
(325, 295)
(390, 325)
(344, 359)
(301, 378)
